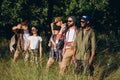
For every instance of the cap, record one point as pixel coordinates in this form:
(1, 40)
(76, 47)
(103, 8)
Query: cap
(85, 18)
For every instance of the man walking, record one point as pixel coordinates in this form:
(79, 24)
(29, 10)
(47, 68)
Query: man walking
(68, 46)
(84, 48)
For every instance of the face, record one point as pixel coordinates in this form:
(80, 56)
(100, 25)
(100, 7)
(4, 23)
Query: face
(24, 27)
(83, 23)
(56, 32)
(59, 23)
(34, 30)
(70, 22)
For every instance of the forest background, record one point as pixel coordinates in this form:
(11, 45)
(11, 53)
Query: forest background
(105, 19)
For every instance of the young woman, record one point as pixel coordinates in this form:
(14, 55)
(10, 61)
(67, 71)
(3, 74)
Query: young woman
(54, 52)
(34, 45)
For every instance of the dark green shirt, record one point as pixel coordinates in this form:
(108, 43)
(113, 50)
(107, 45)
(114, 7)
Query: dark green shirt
(84, 43)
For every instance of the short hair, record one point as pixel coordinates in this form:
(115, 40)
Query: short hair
(25, 23)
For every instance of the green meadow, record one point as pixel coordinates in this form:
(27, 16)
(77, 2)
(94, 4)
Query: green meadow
(106, 64)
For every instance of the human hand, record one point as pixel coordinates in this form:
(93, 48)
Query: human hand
(63, 25)
(49, 44)
(19, 26)
(90, 61)
(12, 49)
(73, 60)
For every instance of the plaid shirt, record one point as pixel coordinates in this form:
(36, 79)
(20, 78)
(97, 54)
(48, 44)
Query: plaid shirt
(52, 47)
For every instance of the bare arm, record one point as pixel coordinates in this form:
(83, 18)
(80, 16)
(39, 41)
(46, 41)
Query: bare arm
(16, 27)
(93, 46)
(91, 57)
(27, 45)
(40, 49)
(53, 42)
(52, 24)
(62, 28)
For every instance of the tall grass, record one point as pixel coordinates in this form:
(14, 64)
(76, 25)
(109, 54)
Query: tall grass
(19, 71)
(106, 64)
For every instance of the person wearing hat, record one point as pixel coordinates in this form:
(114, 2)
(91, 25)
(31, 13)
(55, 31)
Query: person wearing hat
(84, 48)
(68, 46)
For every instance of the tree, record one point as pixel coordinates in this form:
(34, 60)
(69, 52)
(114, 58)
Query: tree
(42, 12)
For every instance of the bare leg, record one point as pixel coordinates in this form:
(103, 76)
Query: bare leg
(49, 63)
(16, 55)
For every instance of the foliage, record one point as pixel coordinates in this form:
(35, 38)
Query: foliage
(104, 17)
(42, 13)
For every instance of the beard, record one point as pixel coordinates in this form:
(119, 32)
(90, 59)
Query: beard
(70, 25)
(84, 26)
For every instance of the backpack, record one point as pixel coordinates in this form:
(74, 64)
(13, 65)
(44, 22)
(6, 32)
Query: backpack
(13, 43)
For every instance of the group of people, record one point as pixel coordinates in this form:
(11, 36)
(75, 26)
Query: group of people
(67, 44)
(25, 42)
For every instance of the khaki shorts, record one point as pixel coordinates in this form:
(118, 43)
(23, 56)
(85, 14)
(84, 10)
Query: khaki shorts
(67, 57)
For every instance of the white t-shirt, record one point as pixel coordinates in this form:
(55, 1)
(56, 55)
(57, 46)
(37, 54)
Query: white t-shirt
(25, 38)
(34, 41)
(70, 36)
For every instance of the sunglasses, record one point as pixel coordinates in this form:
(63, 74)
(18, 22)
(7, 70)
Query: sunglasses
(33, 29)
(70, 21)
(82, 21)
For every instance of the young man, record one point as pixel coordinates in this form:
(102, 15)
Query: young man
(34, 45)
(68, 46)
(84, 47)
(21, 33)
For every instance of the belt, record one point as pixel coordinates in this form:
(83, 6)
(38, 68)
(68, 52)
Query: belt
(69, 48)
(33, 49)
